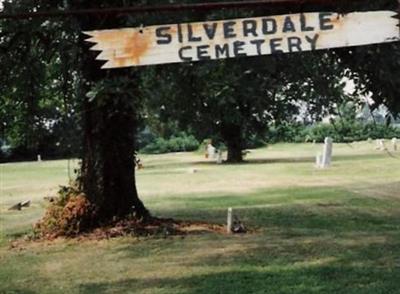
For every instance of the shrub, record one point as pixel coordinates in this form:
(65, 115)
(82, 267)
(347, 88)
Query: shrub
(179, 143)
(69, 215)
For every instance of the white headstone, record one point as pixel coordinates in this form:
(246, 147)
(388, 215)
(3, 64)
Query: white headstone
(394, 144)
(318, 160)
(39, 158)
(327, 154)
(380, 145)
(219, 157)
(229, 221)
(212, 152)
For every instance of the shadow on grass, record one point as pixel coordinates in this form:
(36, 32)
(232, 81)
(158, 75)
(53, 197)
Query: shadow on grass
(319, 240)
(315, 210)
(351, 247)
(19, 291)
(331, 278)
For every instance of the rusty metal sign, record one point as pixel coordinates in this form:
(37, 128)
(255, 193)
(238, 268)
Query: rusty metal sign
(212, 40)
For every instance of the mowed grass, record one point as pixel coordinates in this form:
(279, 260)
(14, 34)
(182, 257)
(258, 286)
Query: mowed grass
(314, 231)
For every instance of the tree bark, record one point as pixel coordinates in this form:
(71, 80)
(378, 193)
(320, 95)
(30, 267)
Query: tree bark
(233, 138)
(108, 168)
(109, 125)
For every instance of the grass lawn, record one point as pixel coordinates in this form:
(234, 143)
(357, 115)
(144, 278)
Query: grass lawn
(316, 231)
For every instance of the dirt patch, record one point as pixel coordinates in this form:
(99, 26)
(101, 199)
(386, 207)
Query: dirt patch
(156, 227)
(152, 228)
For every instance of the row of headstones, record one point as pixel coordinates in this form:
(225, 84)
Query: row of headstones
(380, 144)
(324, 160)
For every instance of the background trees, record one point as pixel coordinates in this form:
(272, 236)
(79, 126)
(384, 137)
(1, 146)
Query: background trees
(38, 84)
(234, 101)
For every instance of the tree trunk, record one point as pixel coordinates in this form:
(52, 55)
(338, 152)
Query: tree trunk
(235, 154)
(233, 138)
(109, 126)
(108, 168)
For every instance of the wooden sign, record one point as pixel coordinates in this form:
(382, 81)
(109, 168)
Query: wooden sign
(242, 37)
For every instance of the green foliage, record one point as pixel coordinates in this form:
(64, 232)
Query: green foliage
(344, 128)
(38, 84)
(180, 143)
(355, 132)
(286, 132)
(340, 132)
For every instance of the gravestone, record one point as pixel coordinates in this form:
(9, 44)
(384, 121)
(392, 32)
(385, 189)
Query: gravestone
(324, 160)
(394, 144)
(380, 145)
(229, 221)
(211, 151)
(327, 154)
(39, 158)
(26, 203)
(17, 206)
(219, 157)
(318, 160)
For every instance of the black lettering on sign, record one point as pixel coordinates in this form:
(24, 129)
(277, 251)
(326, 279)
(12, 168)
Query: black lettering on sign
(238, 49)
(181, 53)
(210, 30)
(269, 26)
(294, 44)
(325, 21)
(202, 52)
(180, 35)
(275, 44)
(313, 41)
(258, 44)
(229, 30)
(303, 22)
(222, 51)
(163, 37)
(250, 28)
(191, 36)
(288, 25)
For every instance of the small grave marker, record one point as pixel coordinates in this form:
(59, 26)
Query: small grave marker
(380, 145)
(211, 151)
(318, 160)
(327, 155)
(219, 157)
(17, 206)
(26, 203)
(324, 160)
(229, 220)
(394, 144)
